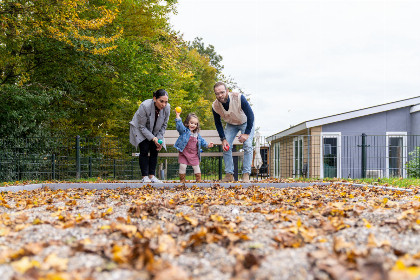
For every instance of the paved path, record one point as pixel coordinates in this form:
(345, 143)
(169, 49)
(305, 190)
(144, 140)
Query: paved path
(137, 184)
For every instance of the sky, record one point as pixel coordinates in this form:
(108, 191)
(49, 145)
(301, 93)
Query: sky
(302, 60)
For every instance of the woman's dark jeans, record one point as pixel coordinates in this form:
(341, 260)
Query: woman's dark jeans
(148, 163)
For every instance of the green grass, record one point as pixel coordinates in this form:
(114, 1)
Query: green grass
(395, 182)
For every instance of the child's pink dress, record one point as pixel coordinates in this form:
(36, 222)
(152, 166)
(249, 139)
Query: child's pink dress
(189, 155)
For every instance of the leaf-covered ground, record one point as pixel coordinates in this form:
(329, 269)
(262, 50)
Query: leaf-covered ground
(335, 232)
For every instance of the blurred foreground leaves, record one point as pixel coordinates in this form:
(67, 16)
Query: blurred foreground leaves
(351, 232)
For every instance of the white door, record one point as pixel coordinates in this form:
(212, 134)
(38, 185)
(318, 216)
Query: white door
(396, 154)
(297, 156)
(330, 155)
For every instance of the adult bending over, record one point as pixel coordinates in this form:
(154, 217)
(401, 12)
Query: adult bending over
(235, 110)
(146, 128)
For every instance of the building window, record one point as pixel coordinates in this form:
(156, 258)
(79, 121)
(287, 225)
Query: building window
(396, 151)
(298, 157)
(331, 155)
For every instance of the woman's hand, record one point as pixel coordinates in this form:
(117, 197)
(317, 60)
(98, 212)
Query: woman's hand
(158, 146)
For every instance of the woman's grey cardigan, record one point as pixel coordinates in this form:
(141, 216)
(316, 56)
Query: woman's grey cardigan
(141, 126)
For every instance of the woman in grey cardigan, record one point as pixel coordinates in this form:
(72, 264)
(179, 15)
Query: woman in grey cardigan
(146, 129)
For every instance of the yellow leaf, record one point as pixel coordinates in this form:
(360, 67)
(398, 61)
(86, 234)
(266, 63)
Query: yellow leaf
(57, 276)
(129, 230)
(120, 253)
(367, 224)
(192, 221)
(217, 218)
(24, 264)
(406, 213)
(53, 261)
(166, 244)
(299, 223)
(372, 241)
(412, 270)
(4, 231)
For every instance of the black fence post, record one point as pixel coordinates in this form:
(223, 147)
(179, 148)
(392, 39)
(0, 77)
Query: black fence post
(53, 166)
(115, 170)
(363, 155)
(132, 169)
(90, 166)
(77, 157)
(220, 163)
(235, 164)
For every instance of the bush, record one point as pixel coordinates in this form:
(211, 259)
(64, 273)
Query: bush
(413, 165)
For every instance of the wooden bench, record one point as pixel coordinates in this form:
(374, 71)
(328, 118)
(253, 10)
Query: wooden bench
(209, 135)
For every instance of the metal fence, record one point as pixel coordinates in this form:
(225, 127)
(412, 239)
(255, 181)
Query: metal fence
(85, 157)
(331, 155)
(327, 155)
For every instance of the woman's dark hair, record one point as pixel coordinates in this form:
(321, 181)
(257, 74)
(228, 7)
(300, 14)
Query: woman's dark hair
(159, 93)
(187, 120)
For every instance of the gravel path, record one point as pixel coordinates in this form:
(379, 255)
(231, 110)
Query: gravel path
(316, 232)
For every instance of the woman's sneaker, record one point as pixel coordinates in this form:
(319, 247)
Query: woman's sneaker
(146, 180)
(155, 180)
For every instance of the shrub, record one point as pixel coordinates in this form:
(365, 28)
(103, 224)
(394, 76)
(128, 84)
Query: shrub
(413, 165)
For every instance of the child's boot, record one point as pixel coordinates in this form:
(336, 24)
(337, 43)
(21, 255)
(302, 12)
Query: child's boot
(197, 177)
(182, 178)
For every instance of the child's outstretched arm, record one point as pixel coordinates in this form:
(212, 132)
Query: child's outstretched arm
(180, 127)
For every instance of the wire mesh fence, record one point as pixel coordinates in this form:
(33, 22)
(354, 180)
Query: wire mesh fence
(331, 155)
(313, 156)
(62, 158)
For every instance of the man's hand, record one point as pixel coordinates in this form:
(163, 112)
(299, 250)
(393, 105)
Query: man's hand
(243, 137)
(225, 145)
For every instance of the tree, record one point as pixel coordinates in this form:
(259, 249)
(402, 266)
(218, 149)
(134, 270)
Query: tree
(24, 112)
(208, 51)
(80, 24)
(96, 61)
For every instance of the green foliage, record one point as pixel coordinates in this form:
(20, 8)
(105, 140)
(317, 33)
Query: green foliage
(209, 51)
(24, 110)
(93, 69)
(413, 166)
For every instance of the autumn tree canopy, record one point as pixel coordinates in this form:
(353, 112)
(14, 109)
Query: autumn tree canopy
(77, 67)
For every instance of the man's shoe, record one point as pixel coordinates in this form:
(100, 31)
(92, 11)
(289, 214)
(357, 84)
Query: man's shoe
(228, 178)
(146, 180)
(245, 178)
(155, 180)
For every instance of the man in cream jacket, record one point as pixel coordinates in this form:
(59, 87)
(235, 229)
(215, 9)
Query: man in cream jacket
(235, 110)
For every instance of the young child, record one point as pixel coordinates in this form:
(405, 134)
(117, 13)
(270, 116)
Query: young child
(189, 145)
